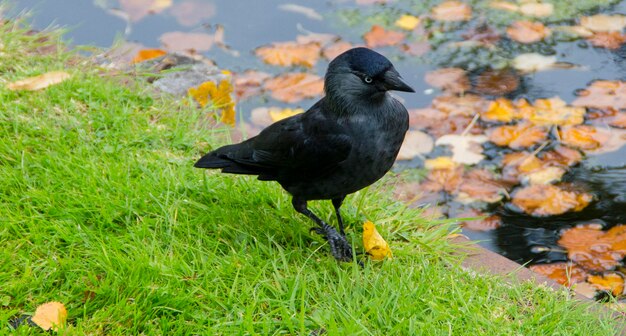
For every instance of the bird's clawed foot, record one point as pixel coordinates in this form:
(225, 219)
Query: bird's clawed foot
(339, 246)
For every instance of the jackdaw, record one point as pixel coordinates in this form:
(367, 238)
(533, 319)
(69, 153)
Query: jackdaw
(346, 141)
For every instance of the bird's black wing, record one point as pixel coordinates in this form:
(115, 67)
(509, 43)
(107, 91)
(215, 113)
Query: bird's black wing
(305, 145)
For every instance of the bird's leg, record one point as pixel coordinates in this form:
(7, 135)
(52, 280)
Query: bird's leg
(339, 246)
(337, 204)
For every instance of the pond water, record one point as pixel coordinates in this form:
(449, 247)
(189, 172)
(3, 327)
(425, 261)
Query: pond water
(249, 24)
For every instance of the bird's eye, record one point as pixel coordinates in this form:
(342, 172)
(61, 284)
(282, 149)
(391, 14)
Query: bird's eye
(367, 79)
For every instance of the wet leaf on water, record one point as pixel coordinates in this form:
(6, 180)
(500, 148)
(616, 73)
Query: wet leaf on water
(50, 315)
(147, 54)
(533, 62)
(608, 40)
(496, 82)
(603, 23)
(608, 282)
(441, 162)
(453, 80)
(521, 135)
(527, 31)
(603, 94)
(39, 82)
(322, 39)
(248, 83)
(482, 34)
(280, 114)
(487, 223)
(407, 22)
(584, 137)
(219, 96)
(594, 249)
(465, 148)
(466, 105)
(290, 53)
(138, 9)
(540, 10)
(480, 185)
(547, 200)
(565, 273)
(544, 175)
(415, 143)
(554, 111)
(619, 120)
(501, 110)
(295, 86)
(452, 11)
(187, 42)
(446, 179)
(335, 49)
(191, 13)
(375, 245)
(381, 37)
(260, 116)
(416, 48)
(306, 11)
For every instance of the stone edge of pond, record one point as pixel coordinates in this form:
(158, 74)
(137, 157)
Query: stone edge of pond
(482, 261)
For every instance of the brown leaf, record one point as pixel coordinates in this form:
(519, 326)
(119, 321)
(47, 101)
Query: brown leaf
(452, 11)
(447, 180)
(547, 200)
(522, 135)
(483, 34)
(594, 249)
(466, 105)
(294, 87)
(564, 273)
(290, 53)
(453, 80)
(527, 31)
(138, 9)
(39, 82)
(417, 48)
(187, 42)
(248, 84)
(336, 49)
(191, 13)
(489, 223)
(603, 94)
(480, 185)
(583, 136)
(380, 37)
(496, 82)
(609, 40)
(50, 315)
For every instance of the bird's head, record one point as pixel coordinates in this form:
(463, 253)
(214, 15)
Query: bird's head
(362, 73)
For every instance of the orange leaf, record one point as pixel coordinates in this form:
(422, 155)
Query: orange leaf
(489, 223)
(583, 136)
(609, 40)
(496, 82)
(522, 135)
(547, 200)
(501, 109)
(594, 249)
(480, 185)
(290, 53)
(380, 37)
(248, 84)
(187, 42)
(50, 315)
(443, 179)
(554, 111)
(564, 273)
(452, 11)
(219, 95)
(611, 282)
(39, 82)
(375, 245)
(450, 79)
(603, 94)
(293, 87)
(138, 9)
(527, 31)
(336, 49)
(146, 54)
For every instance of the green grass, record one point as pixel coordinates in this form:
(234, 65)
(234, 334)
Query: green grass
(101, 209)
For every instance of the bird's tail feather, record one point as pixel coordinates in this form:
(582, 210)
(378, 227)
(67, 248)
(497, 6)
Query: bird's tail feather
(212, 161)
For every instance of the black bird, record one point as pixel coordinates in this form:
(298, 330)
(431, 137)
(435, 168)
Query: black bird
(346, 141)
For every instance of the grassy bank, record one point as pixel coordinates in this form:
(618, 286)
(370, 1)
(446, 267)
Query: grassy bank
(101, 209)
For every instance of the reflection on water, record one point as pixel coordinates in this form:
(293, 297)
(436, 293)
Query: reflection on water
(249, 24)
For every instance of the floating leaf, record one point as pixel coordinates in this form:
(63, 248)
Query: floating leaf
(278, 114)
(564, 273)
(138, 9)
(248, 83)
(380, 37)
(295, 86)
(527, 31)
(39, 82)
(446, 179)
(219, 95)
(467, 105)
(610, 282)
(583, 136)
(290, 53)
(533, 62)
(450, 79)
(336, 49)
(187, 42)
(609, 40)
(501, 109)
(496, 82)
(522, 135)
(554, 111)
(147, 54)
(541, 10)
(416, 48)
(452, 11)
(547, 200)
(375, 245)
(489, 223)
(50, 315)
(594, 249)
(546, 175)
(191, 13)
(306, 11)
(603, 94)
(442, 162)
(415, 143)
(619, 120)
(604, 23)
(480, 185)
(407, 22)
(465, 148)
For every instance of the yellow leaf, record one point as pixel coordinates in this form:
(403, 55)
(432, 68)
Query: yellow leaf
(408, 22)
(277, 114)
(374, 244)
(146, 54)
(501, 109)
(219, 95)
(442, 162)
(39, 82)
(50, 315)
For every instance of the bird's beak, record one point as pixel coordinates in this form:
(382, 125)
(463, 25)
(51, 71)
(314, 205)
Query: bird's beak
(393, 81)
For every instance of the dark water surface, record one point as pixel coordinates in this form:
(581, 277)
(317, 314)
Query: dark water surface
(249, 24)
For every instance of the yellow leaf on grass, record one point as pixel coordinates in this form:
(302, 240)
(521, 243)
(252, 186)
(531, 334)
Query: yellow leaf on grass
(146, 54)
(407, 22)
(375, 246)
(219, 95)
(277, 115)
(39, 82)
(50, 315)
